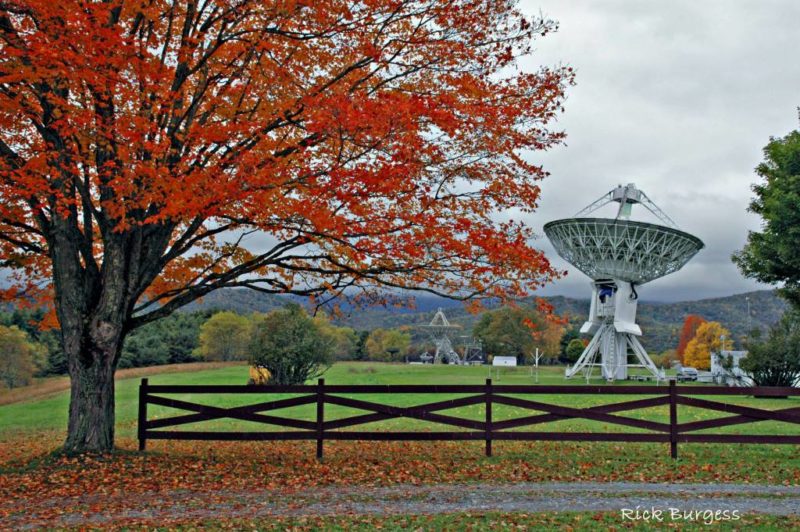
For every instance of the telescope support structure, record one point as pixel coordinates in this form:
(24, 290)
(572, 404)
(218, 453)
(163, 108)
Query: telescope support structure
(613, 348)
(612, 316)
(619, 254)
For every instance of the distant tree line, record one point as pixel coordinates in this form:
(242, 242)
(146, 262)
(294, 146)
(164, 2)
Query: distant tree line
(28, 350)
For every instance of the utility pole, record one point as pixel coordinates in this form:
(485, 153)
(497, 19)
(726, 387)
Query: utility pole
(749, 317)
(536, 362)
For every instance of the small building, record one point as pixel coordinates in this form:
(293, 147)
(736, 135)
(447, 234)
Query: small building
(504, 361)
(725, 368)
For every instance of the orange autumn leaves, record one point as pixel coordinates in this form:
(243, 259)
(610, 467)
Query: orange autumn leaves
(698, 339)
(688, 331)
(374, 142)
(130, 489)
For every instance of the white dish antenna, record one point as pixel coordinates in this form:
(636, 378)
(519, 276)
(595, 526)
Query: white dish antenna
(618, 254)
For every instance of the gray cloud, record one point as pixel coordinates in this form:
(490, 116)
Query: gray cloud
(678, 97)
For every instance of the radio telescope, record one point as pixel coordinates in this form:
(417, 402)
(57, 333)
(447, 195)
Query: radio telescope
(619, 254)
(439, 330)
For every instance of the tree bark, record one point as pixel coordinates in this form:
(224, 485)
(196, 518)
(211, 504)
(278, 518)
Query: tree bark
(91, 408)
(93, 311)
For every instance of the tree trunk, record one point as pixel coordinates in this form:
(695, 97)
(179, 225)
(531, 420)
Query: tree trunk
(93, 307)
(91, 408)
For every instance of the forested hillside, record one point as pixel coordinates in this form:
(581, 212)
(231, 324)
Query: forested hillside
(175, 338)
(660, 322)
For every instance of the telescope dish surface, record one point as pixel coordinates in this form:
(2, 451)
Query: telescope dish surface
(608, 248)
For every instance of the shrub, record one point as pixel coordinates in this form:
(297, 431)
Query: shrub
(666, 358)
(574, 350)
(776, 360)
(290, 345)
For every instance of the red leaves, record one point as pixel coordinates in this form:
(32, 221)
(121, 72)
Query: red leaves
(690, 325)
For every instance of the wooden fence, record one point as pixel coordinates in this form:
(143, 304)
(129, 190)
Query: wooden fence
(487, 429)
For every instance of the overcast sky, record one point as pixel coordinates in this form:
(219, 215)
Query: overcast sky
(679, 97)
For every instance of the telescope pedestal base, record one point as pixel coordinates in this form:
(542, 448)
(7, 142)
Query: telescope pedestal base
(613, 349)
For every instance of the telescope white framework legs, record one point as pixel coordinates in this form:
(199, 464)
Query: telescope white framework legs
(587, 358)
(445, 352)
(612, 347)
(643, 358)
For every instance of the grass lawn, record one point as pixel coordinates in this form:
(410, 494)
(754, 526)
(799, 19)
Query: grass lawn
(25, 426)
(50, 413)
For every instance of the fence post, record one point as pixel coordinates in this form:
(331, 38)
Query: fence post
(320, 416)
(141, 429)
(673, 420)
(488, 417)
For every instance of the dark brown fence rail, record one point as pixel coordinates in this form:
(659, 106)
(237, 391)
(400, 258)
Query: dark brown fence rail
(488, 430)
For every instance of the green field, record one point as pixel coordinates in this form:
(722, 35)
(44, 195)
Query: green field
(50, 414)
(31, 430)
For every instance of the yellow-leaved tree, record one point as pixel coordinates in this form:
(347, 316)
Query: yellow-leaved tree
(17, 355)
(225, 336)
(706, 339)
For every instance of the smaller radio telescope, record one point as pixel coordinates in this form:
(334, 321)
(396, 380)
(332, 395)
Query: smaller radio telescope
(619, 254)
(439, 330)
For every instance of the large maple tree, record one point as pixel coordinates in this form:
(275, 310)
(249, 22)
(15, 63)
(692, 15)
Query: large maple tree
(156, 150)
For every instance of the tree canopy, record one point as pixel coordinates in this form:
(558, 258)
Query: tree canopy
(17, 356)
(171, 340)
(343, 339)
(708, 339)
(772, 255)
(144, 145)
(519, 332)
(225, 336)
(387, 344)
(688, 331)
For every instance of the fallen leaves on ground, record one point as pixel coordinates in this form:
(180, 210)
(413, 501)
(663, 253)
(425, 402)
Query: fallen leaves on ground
(126, 480)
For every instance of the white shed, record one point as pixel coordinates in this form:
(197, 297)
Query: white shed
(504, 361)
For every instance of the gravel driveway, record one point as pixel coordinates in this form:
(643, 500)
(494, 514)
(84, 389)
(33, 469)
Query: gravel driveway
(408, 499)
